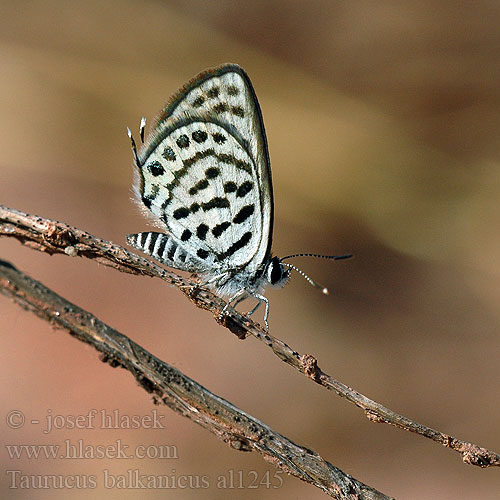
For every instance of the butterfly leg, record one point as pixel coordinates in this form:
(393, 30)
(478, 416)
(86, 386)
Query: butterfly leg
(238, 297)
(249, 313)
(261, 299)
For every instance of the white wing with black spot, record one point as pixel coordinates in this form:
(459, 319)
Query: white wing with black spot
(204, 173)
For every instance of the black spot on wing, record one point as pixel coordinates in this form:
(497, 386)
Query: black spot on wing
(198, 101)
(244, 214)
(155, 189)
(219, 138)
(220, 108)
(237, 111)
(244, 189)
(216, 202)
(156, 168)
(203, 184)
(181, 213)
(220, 228)
(186, 235)
(199, 136)
(146, 201)
(212, 172)
(232, 90)
(237, 245)
(201, 231)
(213, 93)
(201, 253)
(230, 187)
(168, 154)
(183, 141)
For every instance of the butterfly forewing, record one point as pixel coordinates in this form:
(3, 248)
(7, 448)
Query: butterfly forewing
(204, 172)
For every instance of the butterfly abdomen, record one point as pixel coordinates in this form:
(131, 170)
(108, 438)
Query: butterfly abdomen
(164, 249)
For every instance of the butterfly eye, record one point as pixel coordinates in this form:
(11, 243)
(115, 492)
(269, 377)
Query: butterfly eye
(276, 273)
(273, 271)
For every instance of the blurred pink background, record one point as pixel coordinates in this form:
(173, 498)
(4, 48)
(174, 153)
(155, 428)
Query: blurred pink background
(383, 124)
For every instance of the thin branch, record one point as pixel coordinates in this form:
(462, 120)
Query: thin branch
(55, 237)
(181, 393)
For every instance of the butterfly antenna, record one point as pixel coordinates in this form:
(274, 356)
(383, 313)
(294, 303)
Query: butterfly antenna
(142, 127)
(304, 275)
(134, 147)
(332, 257)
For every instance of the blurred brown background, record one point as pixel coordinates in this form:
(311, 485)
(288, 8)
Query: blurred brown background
(383, 124)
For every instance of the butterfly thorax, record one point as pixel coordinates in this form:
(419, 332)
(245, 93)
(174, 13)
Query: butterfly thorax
(270, 273)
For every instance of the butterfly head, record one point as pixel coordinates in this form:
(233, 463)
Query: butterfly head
(277, 274)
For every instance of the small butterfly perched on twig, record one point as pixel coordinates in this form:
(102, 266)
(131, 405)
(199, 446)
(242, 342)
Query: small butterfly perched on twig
(203, 174)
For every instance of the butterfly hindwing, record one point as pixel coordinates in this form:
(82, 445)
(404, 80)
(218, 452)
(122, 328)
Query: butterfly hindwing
(204, 172)
(202, 184)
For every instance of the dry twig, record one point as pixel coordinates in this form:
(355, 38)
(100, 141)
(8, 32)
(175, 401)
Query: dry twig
(182, 394)
(55, 237)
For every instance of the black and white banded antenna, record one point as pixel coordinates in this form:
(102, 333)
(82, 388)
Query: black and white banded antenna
(324, 289)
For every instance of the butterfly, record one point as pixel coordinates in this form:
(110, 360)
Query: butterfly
(203, 174)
